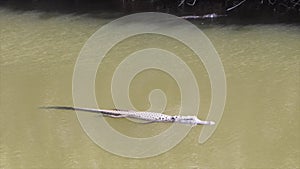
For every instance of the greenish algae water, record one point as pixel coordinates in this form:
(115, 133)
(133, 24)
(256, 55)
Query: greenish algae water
(260, 125)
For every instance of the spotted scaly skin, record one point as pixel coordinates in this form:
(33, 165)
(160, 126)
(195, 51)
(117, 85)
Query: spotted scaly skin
(141, 115)
(149, 116)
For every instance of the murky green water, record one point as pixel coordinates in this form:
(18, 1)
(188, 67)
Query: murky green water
(259, 129)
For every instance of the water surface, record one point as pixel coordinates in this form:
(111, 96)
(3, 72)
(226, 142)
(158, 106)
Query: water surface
(259, 129)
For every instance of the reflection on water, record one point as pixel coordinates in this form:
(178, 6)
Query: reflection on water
(259, 128)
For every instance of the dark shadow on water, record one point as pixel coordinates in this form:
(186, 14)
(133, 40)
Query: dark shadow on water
(111, 9)
(53, 8)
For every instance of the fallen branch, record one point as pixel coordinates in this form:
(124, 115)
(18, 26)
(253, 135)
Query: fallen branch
(210, 16)
(231, 8)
